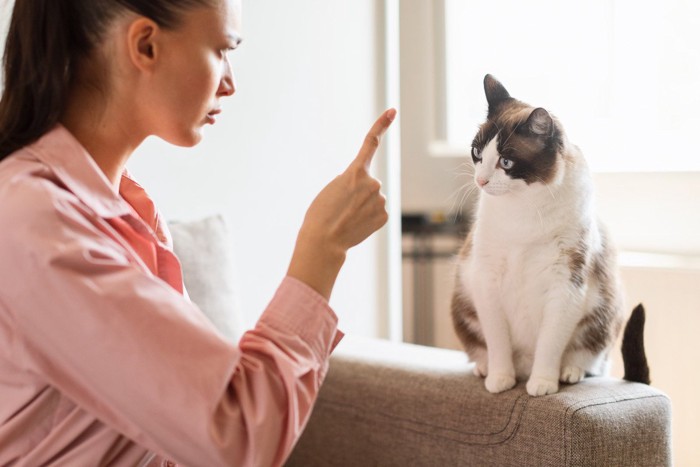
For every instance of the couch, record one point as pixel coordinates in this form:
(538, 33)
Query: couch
(393, 404)
(396, 404)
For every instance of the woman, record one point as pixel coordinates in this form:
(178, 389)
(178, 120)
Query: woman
(102, 359)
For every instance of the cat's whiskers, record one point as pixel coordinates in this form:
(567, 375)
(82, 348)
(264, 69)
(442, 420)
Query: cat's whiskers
(464, 168)
(539, 214)
(454, 213)
(532, 204)
(455, 194)
(548, 187)
(459, 197)
(454, 206)
(538, 210)
(469, 175)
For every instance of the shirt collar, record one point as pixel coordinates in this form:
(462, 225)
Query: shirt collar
(79, 172)
(143, 206)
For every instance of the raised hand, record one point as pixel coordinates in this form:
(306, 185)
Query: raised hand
(347, 211)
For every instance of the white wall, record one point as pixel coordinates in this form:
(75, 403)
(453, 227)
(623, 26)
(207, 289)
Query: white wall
(306, 75)
(652, 212)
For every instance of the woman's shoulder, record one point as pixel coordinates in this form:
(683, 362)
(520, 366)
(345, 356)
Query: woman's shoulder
(55, 173)
(33, 199)
(27, 184)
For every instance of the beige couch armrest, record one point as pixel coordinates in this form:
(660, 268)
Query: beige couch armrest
(386, 404)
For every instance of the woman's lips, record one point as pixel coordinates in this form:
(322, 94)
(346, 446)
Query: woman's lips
(211, 116)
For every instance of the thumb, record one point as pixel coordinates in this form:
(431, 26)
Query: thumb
(373, 138)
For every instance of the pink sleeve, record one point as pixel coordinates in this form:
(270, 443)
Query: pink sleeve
(297, 345)
(126, 347)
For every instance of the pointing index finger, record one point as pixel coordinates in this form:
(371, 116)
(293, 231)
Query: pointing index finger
(373, 138)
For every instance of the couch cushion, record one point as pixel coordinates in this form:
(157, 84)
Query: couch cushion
(205, 254)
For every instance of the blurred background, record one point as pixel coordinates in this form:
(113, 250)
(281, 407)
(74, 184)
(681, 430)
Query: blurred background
(313, 75)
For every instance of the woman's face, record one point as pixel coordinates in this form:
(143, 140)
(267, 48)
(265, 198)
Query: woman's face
(194, 72)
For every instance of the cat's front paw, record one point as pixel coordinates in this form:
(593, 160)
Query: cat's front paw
(572, 374)
(496, 383)
(542, 386)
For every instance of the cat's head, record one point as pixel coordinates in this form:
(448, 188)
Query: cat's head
(518, 146)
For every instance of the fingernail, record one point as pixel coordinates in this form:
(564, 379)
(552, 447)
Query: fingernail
(391, 114)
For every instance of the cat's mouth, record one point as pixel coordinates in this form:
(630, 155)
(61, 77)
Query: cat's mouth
(494, 189)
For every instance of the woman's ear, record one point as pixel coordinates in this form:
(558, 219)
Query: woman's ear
(142, 42)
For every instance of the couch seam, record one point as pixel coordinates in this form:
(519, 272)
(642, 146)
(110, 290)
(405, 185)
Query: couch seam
(368, 415)
(572, 410)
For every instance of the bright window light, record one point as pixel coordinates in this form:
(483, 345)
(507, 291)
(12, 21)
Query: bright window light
(623, 76)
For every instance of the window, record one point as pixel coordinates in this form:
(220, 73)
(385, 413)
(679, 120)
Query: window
(623, 76)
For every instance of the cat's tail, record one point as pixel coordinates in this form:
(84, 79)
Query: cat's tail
(633, 355)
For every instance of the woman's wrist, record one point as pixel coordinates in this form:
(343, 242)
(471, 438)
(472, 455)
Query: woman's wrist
(316, 262)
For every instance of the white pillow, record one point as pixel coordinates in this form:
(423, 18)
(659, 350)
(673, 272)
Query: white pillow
(205, 254)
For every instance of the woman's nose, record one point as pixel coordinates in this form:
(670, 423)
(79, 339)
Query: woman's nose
(227, 86)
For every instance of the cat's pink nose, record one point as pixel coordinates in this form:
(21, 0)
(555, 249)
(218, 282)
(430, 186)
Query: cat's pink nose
(481, 181)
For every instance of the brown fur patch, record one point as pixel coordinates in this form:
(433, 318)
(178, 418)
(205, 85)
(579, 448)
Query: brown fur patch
(464, 317)
(599, 328)
(578, 260)
(466, 249)
(466, 322)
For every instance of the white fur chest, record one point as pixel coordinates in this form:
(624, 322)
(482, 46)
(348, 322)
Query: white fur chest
(515, 246)
(514, 281)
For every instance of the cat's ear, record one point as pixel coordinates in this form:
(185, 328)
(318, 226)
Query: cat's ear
(540, 122)
(495, 92)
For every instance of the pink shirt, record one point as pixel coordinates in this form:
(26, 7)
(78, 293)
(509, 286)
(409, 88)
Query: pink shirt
(103, 361)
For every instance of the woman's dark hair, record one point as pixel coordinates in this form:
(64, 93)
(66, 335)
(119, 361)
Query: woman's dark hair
(46, 40)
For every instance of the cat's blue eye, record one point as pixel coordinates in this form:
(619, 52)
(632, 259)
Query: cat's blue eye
(476, 154)
(506, 163)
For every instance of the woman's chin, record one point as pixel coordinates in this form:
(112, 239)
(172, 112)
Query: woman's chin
(185, 139)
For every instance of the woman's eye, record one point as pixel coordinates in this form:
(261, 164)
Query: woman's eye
(506, 163)
(476, 154)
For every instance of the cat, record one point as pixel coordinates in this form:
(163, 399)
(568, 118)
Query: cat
(537, 295)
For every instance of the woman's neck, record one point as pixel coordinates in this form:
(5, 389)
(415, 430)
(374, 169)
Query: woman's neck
(107, 131)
